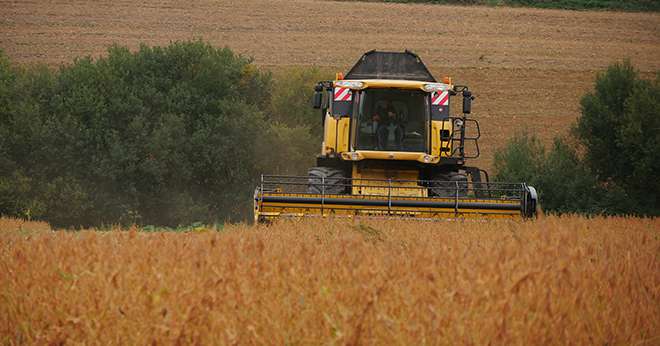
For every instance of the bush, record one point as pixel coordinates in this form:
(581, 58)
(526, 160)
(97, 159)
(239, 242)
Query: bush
(639, 139)
(295, 150)
(620, 129)
(292, 93)
(522, 159)
(163, 136)
(619, 133)
(563, 183)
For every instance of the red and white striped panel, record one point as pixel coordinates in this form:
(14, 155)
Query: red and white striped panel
(343, 94)
(440, 99)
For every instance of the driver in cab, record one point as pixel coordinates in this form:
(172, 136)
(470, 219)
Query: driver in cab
(389, 128)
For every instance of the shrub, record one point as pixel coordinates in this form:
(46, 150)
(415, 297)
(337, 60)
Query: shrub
(521, 159)
(562, 181)
(292, 93)
(620, 130)
(619, 133)
(163, 135)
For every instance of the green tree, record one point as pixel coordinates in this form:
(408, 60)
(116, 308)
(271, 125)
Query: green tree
(563, 182)
(291, 99)
(163, 135)
(602, 115)
(620, 130)
(22, 127)
(295, 150)
(619, 134)
(639, 139)
(521, 159)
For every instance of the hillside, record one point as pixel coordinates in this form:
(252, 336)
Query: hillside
(528, 67)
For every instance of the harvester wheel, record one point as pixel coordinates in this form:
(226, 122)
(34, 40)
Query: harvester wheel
(333, 178)
(445, 185)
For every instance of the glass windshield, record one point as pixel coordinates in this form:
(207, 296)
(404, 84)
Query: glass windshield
(392, 120)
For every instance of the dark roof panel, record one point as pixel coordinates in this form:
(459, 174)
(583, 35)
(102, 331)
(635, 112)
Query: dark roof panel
(390, 65)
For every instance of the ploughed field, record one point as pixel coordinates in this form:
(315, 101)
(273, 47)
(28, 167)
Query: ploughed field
(556, 280)
(528, 67)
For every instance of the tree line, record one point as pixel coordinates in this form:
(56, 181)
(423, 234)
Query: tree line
(628, 5)
(163, 135)
(610, 161)
(179, 134)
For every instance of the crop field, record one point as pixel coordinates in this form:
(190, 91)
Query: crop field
(567, 280)
(554, 280)
(528, 67)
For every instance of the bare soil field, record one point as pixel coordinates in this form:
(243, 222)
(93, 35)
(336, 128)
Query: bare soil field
(528, 67)
(556, 280)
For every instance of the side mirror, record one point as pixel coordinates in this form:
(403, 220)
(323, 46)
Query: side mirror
(317, 100)
(467, 102)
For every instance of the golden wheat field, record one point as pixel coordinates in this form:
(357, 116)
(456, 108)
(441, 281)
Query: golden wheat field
(556, 280)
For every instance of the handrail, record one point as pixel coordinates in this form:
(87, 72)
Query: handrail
(376, 179)
(390, 188)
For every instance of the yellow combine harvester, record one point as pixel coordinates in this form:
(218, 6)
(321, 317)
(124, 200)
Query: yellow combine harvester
(392, 149)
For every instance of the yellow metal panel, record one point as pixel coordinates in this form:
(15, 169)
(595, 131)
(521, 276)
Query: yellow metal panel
(383, 187)
(329, 143)
(335, 131)
(390, 155)
(436, 142)
(343, 134)
(393, 83)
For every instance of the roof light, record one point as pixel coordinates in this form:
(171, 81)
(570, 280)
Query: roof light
(351, 84)
(352, 156)
(431, 87)
(426, 158)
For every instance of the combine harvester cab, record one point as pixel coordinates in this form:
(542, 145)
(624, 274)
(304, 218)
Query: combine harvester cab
(392, 149)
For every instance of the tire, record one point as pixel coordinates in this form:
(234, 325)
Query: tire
(335, 182)
(445, 184)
